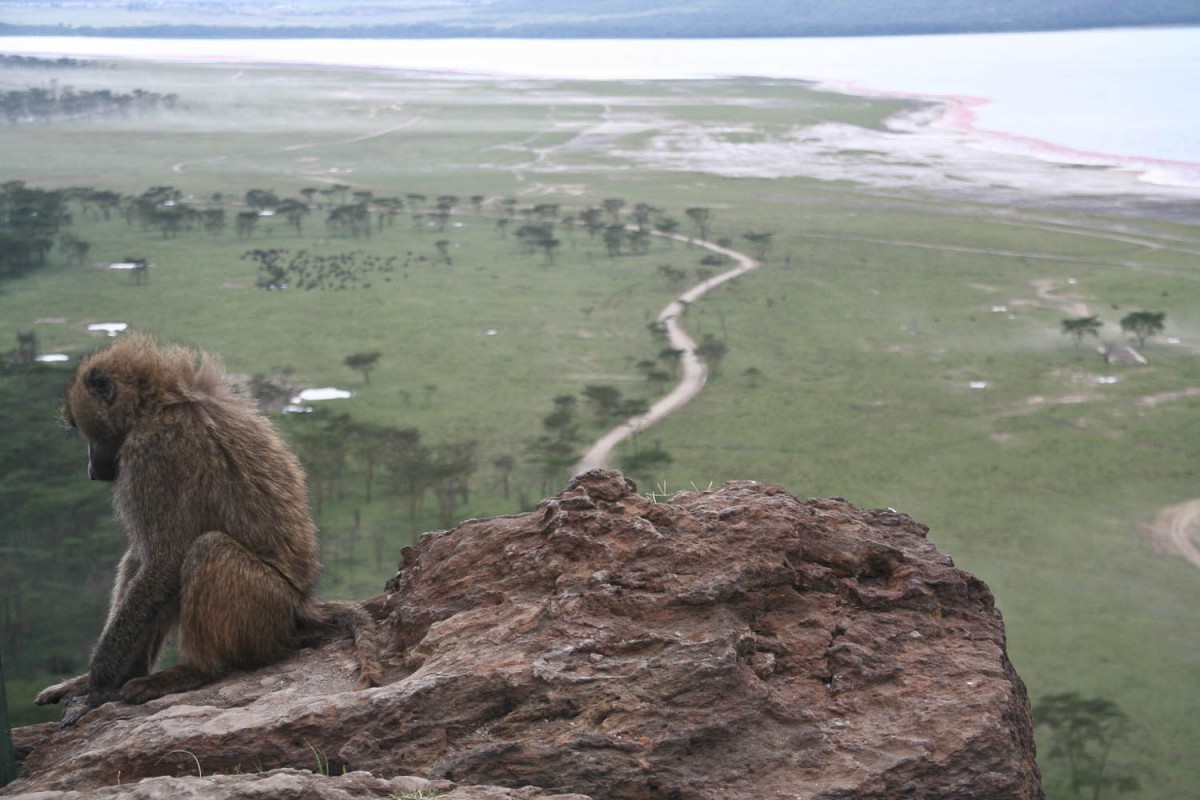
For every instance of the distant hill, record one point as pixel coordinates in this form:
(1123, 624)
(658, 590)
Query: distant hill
(558, 19)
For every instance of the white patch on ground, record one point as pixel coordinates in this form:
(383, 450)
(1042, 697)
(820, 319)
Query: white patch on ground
(110, 328)
(314, 395)
(53, 357)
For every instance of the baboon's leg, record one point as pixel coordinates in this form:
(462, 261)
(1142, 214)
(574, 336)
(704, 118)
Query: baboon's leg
(235, 612)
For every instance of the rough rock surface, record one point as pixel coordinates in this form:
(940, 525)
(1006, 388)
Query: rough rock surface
(713, 645)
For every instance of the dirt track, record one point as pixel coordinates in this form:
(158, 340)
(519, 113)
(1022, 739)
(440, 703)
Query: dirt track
(695, 373)
(1176, 529)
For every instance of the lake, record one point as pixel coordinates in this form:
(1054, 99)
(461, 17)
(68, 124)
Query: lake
(1116, 96)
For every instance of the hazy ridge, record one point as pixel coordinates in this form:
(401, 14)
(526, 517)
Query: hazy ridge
(548, 19)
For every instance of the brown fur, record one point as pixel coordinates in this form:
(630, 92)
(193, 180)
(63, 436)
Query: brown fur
(222, 545)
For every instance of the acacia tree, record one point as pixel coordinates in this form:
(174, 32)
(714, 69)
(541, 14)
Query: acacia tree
(364, 363)
(294, 212)
(1081, 327)
(450, 475)
(712, 350)
(558, 448)
(443, 248)
(760, 244)
(74, 249)
(646, 464)
(505, 464)
(213, 220)
(700, 217)
(406, 462)
(320, 439)
(667, 226)
(593, 220)
(1083, 732)
(612, 207)
(1144, 324)
(261, 199)
(30, 221)
(445, 207)
(368, 442)
(246, 221)
(614, 240)
(604, 399)
(643, 214)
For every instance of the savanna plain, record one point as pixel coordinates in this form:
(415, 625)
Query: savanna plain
(897, 347)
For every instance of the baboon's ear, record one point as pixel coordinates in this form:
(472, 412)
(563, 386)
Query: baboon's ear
(100, 385)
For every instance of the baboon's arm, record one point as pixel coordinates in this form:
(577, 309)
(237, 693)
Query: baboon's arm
(134, 621)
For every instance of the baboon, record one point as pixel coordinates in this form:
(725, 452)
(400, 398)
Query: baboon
(222, 545)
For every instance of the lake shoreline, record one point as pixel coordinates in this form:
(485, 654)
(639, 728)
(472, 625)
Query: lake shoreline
(933, 148)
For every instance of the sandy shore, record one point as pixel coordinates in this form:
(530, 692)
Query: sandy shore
(936, 148)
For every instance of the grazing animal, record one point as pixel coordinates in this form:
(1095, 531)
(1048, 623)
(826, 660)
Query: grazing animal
(222, 545)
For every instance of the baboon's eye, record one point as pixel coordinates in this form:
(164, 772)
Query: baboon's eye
(101, 385)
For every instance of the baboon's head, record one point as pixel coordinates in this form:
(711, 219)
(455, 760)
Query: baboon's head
(108, 394)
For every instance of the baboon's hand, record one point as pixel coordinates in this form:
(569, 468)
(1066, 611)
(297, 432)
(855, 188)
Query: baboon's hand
(75, 687)
(77, 707)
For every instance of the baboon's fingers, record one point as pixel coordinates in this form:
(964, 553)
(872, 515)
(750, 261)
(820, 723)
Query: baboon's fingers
(77, 708)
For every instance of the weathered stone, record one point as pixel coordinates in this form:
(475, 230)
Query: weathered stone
(720, 643)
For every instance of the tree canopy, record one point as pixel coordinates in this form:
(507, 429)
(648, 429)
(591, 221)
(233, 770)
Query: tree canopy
(1144, 324)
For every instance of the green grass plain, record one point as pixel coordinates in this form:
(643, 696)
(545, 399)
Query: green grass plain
(869, 323)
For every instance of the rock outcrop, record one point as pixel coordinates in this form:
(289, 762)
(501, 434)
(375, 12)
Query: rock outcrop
(734, 642)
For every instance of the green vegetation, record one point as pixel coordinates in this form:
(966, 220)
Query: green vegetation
(897, 349)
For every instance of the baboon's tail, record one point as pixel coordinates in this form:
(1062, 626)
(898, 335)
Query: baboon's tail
(333, 620)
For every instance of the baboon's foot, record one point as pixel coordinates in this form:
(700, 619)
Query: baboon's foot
(78, 686)
(176, 679)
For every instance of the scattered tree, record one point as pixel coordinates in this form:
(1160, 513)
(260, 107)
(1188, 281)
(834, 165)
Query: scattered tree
(712, 350)
(1144, 324)
(612, 207)
(700, 217)
(246, 222)
(261, 199)
(760, 244)
(443, 248)
(604, 400)
(505, 464)
(74, 249)
(647, 463)
(1081, 327)
(364, 363)
(294, 212)
(1082, 733)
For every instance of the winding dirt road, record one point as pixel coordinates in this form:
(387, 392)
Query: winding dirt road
(1177, 528)
(695, 372)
